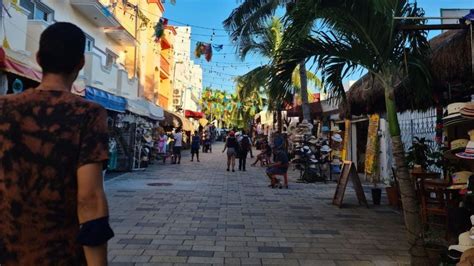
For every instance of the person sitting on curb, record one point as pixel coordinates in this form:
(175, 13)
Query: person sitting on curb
(280, 167)
(264, 155)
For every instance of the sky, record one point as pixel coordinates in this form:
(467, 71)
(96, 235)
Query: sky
(205, 18)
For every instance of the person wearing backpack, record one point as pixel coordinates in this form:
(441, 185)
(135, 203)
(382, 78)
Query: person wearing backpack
(245, 146)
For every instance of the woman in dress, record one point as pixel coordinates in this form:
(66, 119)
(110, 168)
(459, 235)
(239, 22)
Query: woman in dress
(231, 145)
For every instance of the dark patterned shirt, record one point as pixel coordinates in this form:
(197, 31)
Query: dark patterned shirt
(44, 137)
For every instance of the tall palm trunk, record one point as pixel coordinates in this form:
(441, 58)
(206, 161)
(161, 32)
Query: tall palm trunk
(304, 92)
(411, 207)
(279, 120)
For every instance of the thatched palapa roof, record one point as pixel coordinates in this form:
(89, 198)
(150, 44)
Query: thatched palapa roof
(451, 69)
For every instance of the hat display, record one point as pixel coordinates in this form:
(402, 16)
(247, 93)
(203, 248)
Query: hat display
(454, 109)
(453, 114)
(148, 138)
(337, 138)
(325, 129)
(461, 177)
(325, 148)
(467, 258)
(459, 144)
(465, 243)
(313, 140)
(335, 129)
(469, 151)
(468, 111)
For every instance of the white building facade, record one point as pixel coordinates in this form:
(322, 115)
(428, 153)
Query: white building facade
(187, 76)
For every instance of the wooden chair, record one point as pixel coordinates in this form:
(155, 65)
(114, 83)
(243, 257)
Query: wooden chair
(434, 199)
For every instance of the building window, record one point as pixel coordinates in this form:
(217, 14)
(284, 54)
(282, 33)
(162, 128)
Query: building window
(38, 10)
(89, 43)
(110, 58)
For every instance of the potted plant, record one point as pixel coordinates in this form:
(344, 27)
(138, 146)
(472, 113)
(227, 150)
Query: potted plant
(393, 194)
(374, 178)
(419, 155)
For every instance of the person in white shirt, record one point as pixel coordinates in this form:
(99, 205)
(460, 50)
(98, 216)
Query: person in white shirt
(178, 143)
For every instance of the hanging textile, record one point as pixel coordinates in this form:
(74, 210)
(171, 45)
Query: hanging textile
(218, 47)
(205, 49)
(160, 29)
(372, 149)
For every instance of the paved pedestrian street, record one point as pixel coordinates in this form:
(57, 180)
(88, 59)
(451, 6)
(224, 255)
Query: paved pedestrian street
(199, 214)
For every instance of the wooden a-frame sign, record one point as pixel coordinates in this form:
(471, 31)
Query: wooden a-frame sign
(349, 170)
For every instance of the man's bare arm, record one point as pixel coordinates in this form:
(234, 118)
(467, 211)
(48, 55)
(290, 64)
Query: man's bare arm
(91, 205)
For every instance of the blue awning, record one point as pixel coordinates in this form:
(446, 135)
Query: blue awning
(107, 100)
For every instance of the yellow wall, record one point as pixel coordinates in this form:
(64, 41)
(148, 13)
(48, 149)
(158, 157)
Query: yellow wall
(165, 88)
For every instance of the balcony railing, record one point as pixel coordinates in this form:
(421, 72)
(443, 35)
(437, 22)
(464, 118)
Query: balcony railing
(99, 76)
(100, 15)
(128, 87)
(96, 12)
(164, 67)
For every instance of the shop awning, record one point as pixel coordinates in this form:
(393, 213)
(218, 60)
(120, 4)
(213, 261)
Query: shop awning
(171, 120)
(107, 100)
(187, 125)
(176, 120)
(193, 114)
(315, 109)
(138, 107)
(156, 112)
(20, 64)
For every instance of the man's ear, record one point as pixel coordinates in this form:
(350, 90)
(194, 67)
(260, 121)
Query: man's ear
(38, 59)
(82, 62)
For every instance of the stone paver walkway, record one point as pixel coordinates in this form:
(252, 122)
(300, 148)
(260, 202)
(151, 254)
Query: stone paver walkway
(201, 214)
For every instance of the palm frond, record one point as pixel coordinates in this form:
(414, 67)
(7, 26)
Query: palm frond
(250, 18)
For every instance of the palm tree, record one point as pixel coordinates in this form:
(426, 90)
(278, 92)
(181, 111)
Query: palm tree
(351, 35)
(267, 44)
(249, 20)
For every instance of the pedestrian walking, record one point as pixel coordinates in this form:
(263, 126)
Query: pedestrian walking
(231, 145)
(245, 147)
(178, 143)
(53, 147)
(195, 143)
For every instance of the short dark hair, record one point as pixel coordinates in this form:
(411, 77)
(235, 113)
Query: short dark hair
(61, 48)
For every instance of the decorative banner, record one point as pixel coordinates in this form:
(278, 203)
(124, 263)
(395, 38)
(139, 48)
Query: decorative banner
(15, 5)
(372, 149)
(205, 49)
(218, 47)
(5, 43)
(160, 29)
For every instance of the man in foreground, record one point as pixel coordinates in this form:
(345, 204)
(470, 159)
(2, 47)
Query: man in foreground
(53, 146)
